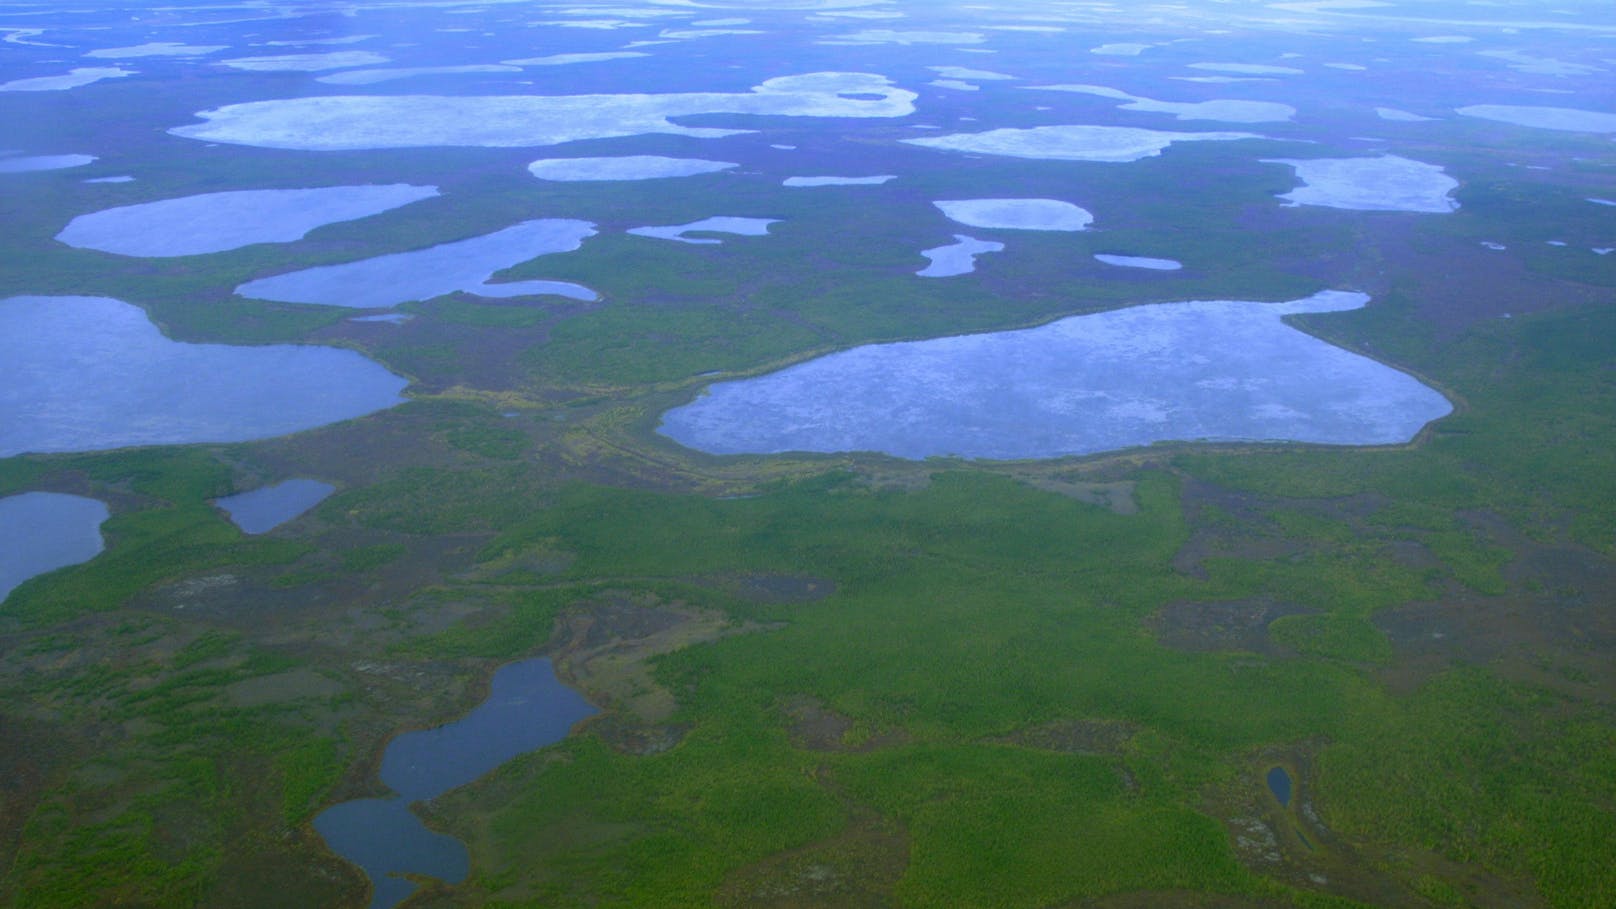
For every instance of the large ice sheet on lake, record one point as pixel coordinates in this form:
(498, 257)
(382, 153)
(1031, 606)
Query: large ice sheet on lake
(93, 373)
(421, 274)
(345, 122)
(625, 167)
(214, 222)
(1386, 183)
(1211, 370)
(1117, 144)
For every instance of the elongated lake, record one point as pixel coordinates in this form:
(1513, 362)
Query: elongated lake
(527, 708)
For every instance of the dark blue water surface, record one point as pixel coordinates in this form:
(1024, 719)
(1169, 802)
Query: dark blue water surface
(527, 708)
(267, 507)
(1279, 783)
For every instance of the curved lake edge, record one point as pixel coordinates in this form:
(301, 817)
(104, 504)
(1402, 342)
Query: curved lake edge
(374, 804)
(681, 393)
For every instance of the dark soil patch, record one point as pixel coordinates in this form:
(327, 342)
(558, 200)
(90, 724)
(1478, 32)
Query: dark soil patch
(813, 726)
(1554, 627)
(858, 868)
(1220, 625)
(1101, 737)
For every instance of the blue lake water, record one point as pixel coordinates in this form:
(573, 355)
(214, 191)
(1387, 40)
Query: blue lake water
(44, 531)
(93, 373)
(527, 708)
(1279, 783)
(267, 507)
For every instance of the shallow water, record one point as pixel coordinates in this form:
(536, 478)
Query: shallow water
(1279, 783)
(267, 507)
(44, 531)
(527, 708)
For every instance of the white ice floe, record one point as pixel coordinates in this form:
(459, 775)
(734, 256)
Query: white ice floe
(1225, 111)
(389, 74)
(687, 34)
(1386, 183)
(1140, 262)
(627, 167)
(569, 59)
(1121, 49)
(1220, 370)
(464, 266)
(742, 227)
(1016, 214)
(1494, 246)
(838, 181)
(73, 78)
(1541, 66)
(344, 122)
(157, 49)
(214, 222)
(1072, 143)
(966, 73)
(1249, 69)
(120, 179)
(889, 36)
(92, 373)
(31, 163)
(1399, 116)
(1561, 118)
(955, 85)
(1603, 250)
(1602, 201)
(1348, 67)
(1444, 39)
(307, 63)
(957, 258)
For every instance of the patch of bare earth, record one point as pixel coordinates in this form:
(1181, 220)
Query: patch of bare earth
(858, 868)
(606, 649)
(1220, 625)
(813, 726)
(1553, 627)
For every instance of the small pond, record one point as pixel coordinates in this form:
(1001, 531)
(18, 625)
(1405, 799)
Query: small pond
(267, 507)
(44, 531)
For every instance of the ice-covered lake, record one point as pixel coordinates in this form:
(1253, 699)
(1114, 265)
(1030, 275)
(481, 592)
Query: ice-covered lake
(1219, 370)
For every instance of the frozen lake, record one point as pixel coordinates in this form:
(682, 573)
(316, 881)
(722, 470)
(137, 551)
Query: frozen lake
(1384, 183)
(1220, 370)
(957, 258)
(93, 373)
(215, 222)
(44, 531)
(421, 274)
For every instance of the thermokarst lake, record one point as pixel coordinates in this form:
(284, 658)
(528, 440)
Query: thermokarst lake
(92, 373)
(44, 531)
(1217, 370)
(955, 454)
(526, 708)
